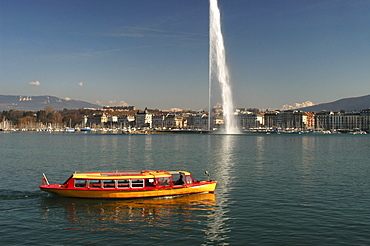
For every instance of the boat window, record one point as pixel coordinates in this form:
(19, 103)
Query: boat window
(80, 183)
(94, 183)
(123, 183)
(164, 181)
(65, 184)
(189, 180)
(149, 183)
(137, 183)
(179, 177)
(109, 183)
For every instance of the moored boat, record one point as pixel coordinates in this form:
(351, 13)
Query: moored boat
(132, 184)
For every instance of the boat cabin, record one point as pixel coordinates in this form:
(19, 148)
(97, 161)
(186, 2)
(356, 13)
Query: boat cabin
(129, 180)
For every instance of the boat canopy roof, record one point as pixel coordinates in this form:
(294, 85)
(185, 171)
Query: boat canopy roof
(126, 174)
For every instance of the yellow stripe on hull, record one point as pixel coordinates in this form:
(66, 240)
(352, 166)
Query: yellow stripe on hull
(118, 194)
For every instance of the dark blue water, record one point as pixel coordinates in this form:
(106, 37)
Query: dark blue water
(272, 190)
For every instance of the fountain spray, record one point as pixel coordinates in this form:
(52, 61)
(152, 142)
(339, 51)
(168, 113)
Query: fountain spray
(218, 68)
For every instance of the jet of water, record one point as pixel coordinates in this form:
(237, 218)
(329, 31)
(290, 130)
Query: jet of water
(218, 67)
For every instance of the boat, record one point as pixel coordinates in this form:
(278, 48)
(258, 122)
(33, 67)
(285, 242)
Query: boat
(87, 129)
(129, 184)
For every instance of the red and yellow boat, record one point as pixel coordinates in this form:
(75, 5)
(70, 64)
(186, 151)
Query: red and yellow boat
(131, 184)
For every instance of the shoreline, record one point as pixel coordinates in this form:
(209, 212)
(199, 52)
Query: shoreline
(183, 131)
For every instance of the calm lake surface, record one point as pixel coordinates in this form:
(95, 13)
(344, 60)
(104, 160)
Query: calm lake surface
(273, 190)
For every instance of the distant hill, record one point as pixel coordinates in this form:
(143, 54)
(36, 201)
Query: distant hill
(35, 103)
(346, 104)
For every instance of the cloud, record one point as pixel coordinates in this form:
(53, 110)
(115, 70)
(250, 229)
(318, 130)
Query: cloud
(81, 83)
(37, 83)
(143, 32)
(298, 105)
(112, 103)
(123, 103)
(176, 110)
(67, 99)
(120, 103)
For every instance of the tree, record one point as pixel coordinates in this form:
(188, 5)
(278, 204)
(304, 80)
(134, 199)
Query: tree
(49, 109)
(54, 118)
(27, 122)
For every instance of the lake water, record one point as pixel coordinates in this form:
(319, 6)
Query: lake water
(272, 190)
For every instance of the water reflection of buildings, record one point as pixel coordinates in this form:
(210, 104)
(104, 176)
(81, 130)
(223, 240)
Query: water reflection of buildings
(130, 215)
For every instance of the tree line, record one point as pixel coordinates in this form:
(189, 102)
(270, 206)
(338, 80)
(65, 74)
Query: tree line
(65, 117)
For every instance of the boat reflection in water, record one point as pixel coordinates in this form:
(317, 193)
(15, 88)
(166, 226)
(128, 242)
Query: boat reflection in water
(130, 215)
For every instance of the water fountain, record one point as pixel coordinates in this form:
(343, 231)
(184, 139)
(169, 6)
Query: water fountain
(218, 68)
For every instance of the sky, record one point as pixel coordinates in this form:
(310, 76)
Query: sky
(155, 54)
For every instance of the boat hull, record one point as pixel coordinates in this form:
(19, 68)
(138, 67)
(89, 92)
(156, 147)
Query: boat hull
(195, 188)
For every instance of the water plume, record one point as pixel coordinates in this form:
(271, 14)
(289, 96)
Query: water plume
(218, 67)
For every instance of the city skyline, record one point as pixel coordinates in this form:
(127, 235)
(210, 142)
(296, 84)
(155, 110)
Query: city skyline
(156, 52)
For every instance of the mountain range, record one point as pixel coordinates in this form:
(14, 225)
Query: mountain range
(35, 103)
(346, 104)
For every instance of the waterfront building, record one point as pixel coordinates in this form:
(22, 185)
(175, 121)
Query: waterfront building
(322, 120)
(158, 121)
(169, 121)
(198, 121)
(271, 119)
(126, 121)
(247, 120)
(289, 120)
(365, 119)
(309, 120)
(180, 121)
(342, 121)
(97, 120)
(252, 119)
(143, 119)
(260, 118)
